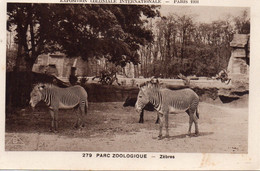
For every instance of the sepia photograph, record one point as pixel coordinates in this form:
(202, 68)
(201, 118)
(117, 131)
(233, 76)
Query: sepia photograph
(127, 80)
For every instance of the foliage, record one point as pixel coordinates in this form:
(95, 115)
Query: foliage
(113, 31)
(123, 33)
(11, 58)
(107, 77)
(242, 23)
(183, 46)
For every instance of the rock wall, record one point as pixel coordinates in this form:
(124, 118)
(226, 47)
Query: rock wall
(103, 93)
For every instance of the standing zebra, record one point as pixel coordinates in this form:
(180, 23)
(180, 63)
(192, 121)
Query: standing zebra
(167, 101)
(61, 98)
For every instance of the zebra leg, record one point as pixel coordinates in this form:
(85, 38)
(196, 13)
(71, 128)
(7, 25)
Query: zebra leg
(161, 125)
(141, 120)
(52, 120)
(167, 125)
(56, 114)
(190, 122)
(157, 120)
(77, 123)
(195, 119)
(82, 114)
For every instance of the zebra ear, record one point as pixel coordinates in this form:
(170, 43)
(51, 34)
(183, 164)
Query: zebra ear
(141, 85)
(150, 84)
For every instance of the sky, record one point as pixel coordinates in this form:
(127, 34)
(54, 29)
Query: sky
(203, 14)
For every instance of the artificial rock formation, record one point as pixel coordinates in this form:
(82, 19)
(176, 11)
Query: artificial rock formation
(238, 67)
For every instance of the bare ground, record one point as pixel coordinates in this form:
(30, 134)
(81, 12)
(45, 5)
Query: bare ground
(111, 127)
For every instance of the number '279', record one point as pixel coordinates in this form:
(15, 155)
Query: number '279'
(86, 155)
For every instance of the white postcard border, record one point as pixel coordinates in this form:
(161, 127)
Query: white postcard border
(75, 161)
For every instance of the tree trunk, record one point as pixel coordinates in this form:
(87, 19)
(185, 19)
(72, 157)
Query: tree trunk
(29, 64)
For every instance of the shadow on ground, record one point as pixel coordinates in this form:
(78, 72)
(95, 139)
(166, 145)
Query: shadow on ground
(186, 135)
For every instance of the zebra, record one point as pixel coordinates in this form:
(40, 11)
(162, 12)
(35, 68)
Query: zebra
(167, 101)
(61, 98)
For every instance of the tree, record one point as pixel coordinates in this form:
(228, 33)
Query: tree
(33, 30)
(113, 31)
(183, 46)
(242, 23)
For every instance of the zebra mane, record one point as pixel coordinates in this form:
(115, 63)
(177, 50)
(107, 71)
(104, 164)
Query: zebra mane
(47, 85)
(150, 85)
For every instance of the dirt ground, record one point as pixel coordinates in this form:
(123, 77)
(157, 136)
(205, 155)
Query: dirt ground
(112, 127)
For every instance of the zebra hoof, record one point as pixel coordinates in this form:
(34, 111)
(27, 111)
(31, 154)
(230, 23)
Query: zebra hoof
(188, 135)
(197, 134)
(53, 130)
(160, 137)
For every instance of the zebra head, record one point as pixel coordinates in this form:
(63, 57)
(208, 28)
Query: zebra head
(36, 94)
(143, 96)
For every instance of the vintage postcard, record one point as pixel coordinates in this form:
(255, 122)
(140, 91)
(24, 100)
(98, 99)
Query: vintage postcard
(130, 85)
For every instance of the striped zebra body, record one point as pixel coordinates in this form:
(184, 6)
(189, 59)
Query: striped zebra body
(61, 98)
(176, 101)
(168, 101)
